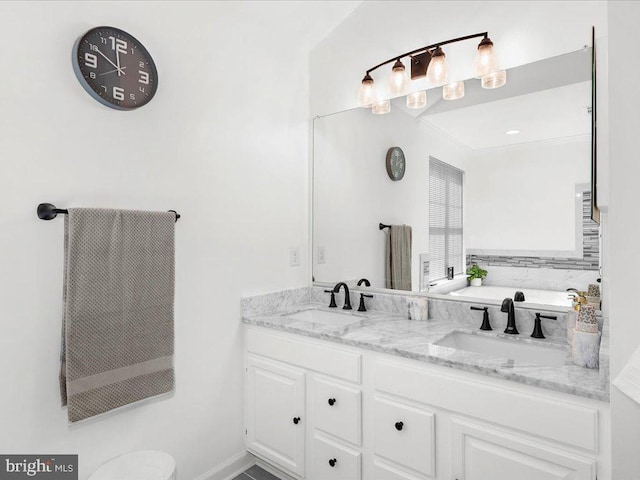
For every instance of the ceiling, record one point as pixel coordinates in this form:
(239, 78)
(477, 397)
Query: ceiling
(557, 113)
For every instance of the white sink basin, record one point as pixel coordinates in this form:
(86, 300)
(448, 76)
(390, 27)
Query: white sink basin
(335, 319)
(549, 355)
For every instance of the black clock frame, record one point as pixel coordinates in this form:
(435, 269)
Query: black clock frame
(78, 69)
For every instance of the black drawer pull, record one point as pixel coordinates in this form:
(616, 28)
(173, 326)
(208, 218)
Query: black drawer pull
(296, 420)
(333, 462)
(332, 401)
(399, 426)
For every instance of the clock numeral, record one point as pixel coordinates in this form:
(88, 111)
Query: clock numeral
(90, 60)
(105, 88)
(132, 51)
(132, 96)
(92, 75)
(118, 45)
(103, 40)
(141, 64)
(93, 47)
(141, 89)
(118, 93)
(144, 77)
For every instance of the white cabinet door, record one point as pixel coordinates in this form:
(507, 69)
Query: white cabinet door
(404, 435)
(275, 413)
(481, 453)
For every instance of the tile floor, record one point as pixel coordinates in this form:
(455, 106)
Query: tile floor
(256, 473)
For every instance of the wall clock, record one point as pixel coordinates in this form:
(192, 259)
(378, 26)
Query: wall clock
(396, 163)
(115, 68)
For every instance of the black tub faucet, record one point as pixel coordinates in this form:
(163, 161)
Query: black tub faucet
(518, 297)
(507, 307)
(366, 282)
(347, 296)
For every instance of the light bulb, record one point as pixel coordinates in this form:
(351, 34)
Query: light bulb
(453, 91)
(485, 61)
(367, 92)
(438, 70)
(417, 99)
(398, 79)
(494, 79)
(382, 107)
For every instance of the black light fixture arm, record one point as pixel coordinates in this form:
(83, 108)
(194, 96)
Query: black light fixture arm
(429, 47)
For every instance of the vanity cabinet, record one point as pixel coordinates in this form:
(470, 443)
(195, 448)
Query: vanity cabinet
(276, 412)
(374, 416)
(481, 452)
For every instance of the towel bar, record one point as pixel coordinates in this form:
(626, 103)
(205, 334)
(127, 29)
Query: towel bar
(47, 211)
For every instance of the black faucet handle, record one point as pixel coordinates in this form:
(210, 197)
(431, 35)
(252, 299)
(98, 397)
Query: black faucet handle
(332, 303)
(486, 324)
(537, 327)
(361, 307)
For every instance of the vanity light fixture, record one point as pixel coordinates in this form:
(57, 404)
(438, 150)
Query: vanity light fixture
(453, 91)
(381, 107)
(417, 99)
(431, 62)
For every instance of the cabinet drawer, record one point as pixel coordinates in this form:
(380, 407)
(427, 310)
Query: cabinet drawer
(555, 419)
(335, 361)
(334, 462)
(405, 435)
(337, 410)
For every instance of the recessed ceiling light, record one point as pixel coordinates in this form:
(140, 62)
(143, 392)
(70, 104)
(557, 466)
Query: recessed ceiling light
(512, 132)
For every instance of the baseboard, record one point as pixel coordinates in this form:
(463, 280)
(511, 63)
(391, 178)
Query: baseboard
(273, 470)
(230, 468)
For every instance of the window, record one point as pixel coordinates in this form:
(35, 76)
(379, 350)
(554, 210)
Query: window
(445, 219)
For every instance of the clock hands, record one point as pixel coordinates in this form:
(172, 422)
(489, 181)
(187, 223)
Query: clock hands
(115, 70)
(109, 60)
(120, 70)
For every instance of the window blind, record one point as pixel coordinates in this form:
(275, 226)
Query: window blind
(445, 219)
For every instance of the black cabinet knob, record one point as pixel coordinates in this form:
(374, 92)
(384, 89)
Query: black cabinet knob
(399, 426)
(332, 401)
(296, 420)
(333, 462)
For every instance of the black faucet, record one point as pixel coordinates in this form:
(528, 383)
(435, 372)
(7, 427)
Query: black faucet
(347, 297)
(366, 282)
(507, 307)
(518, 297)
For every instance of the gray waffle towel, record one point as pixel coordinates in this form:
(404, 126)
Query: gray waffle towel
(118, 309)
(397, 257)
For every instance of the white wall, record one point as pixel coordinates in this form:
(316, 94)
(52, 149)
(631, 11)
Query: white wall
(224, 142)
(621, 226)
(523, 32)
(353, 193)
(523, 197)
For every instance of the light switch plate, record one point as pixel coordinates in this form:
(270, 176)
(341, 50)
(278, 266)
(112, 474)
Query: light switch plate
(294, 256)
(322, 254)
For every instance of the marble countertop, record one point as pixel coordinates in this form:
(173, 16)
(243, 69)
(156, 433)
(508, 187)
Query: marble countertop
(392, 334)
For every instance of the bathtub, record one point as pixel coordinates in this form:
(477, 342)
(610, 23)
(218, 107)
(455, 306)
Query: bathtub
(540, 297)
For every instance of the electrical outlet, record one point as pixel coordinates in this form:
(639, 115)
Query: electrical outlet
(294, 256)
(322, 254)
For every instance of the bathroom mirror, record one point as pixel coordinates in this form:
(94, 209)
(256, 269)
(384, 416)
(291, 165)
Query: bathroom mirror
(521, 155)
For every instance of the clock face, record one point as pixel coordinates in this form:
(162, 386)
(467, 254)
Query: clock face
(115, 68)
(396, 163)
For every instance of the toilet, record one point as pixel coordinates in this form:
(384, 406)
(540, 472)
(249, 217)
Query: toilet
(143, 465)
